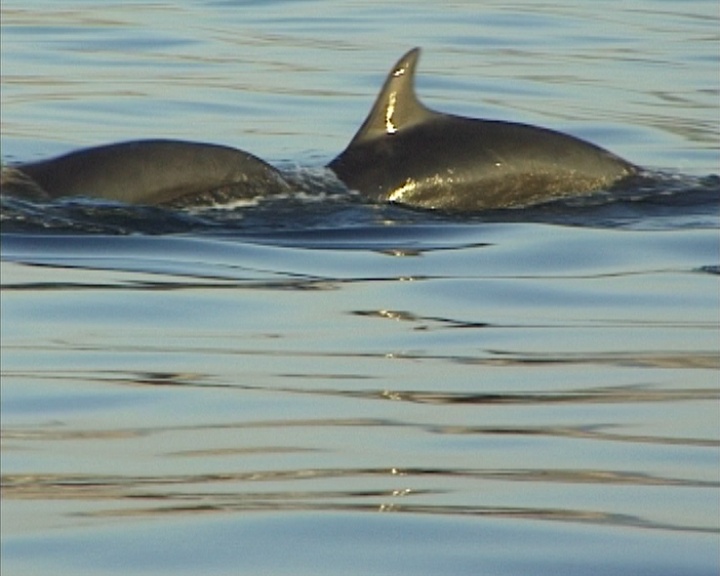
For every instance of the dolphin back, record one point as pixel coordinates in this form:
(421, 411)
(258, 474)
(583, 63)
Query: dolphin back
(407, 153)
(155, 172)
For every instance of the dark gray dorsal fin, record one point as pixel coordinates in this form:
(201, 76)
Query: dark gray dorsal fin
(397, 105)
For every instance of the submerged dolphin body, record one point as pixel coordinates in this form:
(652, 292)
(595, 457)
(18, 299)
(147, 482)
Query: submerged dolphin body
(154, 172)
(409, 154)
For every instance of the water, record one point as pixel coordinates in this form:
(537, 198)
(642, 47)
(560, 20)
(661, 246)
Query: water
(319, 385)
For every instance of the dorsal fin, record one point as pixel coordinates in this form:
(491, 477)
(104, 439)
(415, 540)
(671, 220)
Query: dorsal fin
(397, 105)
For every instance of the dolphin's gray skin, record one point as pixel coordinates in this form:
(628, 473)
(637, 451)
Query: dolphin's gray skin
(409, 154)
(153, 172)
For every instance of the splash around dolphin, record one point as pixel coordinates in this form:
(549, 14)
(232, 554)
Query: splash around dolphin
(153, 172)
(409, 154)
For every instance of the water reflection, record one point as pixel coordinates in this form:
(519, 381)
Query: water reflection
(585, 395)
(589, 432)
(179, 494)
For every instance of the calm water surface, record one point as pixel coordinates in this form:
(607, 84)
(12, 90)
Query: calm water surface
(317, 385)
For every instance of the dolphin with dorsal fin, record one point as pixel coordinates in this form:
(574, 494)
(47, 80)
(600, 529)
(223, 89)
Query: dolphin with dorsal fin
(409, 154)
(153, 172)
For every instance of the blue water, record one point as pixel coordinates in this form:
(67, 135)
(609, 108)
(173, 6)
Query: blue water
(322, 385)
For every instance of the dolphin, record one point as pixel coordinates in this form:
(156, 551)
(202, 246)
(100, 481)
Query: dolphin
(153, 172)
(409, 154)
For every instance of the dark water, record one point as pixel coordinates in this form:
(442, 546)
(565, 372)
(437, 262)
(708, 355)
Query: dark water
(320, 385)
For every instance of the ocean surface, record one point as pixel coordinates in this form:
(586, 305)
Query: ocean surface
(317, 384)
